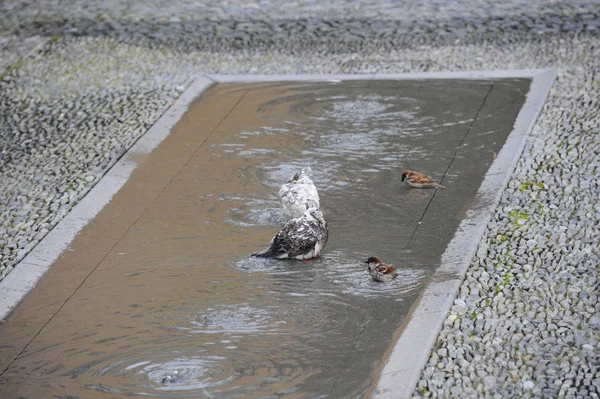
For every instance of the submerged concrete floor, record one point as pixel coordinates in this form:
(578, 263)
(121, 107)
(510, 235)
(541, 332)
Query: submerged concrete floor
(157, 295)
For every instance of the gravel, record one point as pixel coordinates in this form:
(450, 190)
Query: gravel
(525, 322)
(13, 48)
(81, 82)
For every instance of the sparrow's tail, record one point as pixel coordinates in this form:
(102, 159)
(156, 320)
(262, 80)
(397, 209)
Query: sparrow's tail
(265, 253)
(439, 186)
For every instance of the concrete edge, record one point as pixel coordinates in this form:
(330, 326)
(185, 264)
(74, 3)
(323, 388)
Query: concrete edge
(491, 74)
(26, 274)
(221, 78)
(410, 353)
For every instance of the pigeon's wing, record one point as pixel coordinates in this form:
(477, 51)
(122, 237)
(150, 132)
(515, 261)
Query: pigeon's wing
(284, 190)
(293, 200)
(297, 237)
(421, 179)
(313, 196)
(276, 248)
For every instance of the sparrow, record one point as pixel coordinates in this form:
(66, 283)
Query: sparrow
(379, 271)
(300, 238)
(419, 180)
(298, 194)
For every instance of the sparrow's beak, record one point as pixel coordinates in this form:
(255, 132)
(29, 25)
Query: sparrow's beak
(403, 178)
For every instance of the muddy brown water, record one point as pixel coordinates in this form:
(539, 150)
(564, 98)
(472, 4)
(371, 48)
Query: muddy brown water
(177, 309)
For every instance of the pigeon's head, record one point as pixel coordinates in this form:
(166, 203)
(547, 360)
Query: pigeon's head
(300, 178)
(295, 178)
(373, 259)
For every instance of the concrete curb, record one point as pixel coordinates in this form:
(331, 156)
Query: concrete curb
(495, 74)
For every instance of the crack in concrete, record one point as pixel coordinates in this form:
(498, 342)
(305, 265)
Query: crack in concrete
(450, 164)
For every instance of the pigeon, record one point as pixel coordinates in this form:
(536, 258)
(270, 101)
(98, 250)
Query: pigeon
(300, 238)
(379, 271)
(298, 194)
(419, 180)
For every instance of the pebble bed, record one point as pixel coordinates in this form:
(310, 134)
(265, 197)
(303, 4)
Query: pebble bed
(79, 84)
(526, 322)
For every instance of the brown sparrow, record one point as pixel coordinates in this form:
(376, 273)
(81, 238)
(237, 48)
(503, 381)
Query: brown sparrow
(419, 180)
(379, 271)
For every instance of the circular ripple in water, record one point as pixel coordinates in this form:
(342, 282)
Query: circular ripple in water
(333, 274)
(348, 274)
(175, 374)
(323, 171)
(235, 319)
(351, 109)
(354, 132)
(293, 268)
(323, 293)
(359, 111)
(256, 212)
(226, 369)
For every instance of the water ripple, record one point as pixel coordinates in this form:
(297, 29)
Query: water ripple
(227, 368)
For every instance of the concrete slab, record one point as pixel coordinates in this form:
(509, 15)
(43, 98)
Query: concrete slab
(169, 293)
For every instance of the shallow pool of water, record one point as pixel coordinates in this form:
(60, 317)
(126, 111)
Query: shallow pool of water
(178, 309)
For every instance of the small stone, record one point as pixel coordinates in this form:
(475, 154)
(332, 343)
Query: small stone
(489, 382)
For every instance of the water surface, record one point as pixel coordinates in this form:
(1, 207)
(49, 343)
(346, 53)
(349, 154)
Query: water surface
(178, 309)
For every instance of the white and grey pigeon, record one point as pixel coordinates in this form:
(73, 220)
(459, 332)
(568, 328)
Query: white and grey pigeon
(298, 194)
(300, 238)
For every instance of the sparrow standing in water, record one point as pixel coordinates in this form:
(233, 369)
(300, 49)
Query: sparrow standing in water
(379, 271)
(419, 180)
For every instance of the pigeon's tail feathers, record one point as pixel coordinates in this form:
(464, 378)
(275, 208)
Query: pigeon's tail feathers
(265, 253)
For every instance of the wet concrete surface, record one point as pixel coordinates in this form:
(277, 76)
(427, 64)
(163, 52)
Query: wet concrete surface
(158, 297)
